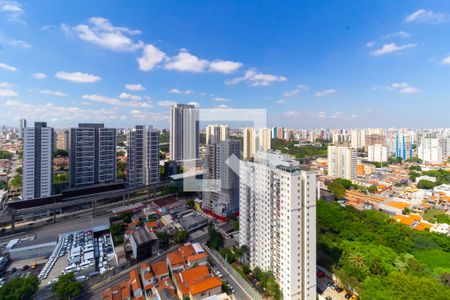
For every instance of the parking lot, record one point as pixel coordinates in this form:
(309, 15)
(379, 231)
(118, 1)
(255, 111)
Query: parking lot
(331, 290)
(80, 253)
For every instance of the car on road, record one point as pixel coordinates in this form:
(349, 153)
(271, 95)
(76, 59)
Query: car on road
(328, 298)
(320, 274)
(348, 295)
(339, 289)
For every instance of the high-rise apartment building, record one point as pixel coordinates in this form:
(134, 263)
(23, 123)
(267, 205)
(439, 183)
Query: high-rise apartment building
(22, 126)
(378, 153)
(446, 148)
(217, 133)
(223, 199)
(374, 139)
(256, 140)
(358, 139)
(184, 132)
(249, 143)
(342, 162)
(62, 139)
(277, 218)
(143, 156)
(403, 146)
(430, 150)
(37, 161)
(92, 157)
(263, 140)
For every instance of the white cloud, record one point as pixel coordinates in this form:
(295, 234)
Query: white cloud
(102, 99)
(54, 93)
(134, 87)
(186, 62)
(281, 101)
(446, 61)
(404, 88)
(147, 115)
(77, 77)
(391, 48)
(5, 84)
(196, 104)
(222, 106)
(427, 16)
(290, 113)
(220, 99)
(370, 44)
(18, 43)
(166, 103)
(297, 90)
(12, 9)
(401, 87)
(325, 93)
(151, 57)
(52, 112)
(321, 115)
(7, 93)
(400, 34)
(224, 66)
(39, 75)
(343, 116)
(116, 102)
(178, 91)
(102, 33)
(255, 78)
(7, 67)
(129, 96)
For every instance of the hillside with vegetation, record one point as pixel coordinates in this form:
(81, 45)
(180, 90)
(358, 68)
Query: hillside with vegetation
(380, 258)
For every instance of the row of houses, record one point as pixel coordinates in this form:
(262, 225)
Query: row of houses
(184, 274)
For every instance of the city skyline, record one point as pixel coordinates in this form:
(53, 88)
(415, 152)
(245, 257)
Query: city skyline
(309, 67)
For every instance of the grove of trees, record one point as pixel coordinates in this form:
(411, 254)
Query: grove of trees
(380, 258)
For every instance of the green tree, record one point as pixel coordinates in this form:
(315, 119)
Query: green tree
(425, 184)
(413, 175)
(337, 189)
(180, 236)
(190, 203)
(67, 287)
(163, 239)
(372, 189)
(5, 154)
(19, 288)
(61, 153)
(215, 240)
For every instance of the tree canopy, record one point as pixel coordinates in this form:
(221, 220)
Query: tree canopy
(372, 253)
(67, 287)
(19, 288)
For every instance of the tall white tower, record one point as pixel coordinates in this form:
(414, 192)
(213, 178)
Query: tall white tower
(277, 219)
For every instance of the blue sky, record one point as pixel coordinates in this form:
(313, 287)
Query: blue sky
(309, 63)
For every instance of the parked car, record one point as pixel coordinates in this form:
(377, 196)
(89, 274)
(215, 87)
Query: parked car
(320, 274)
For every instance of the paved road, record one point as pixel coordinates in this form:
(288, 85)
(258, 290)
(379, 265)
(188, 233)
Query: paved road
(243, 290)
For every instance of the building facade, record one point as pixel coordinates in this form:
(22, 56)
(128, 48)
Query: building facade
(249, 143)
(217, 133)
(184, 132)
(222, 199)
(378, 153)
(342, 162)
(430, 150)
(22, 126)
(143, 156)
(37, 161)
(277, 220)
(92, 155)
